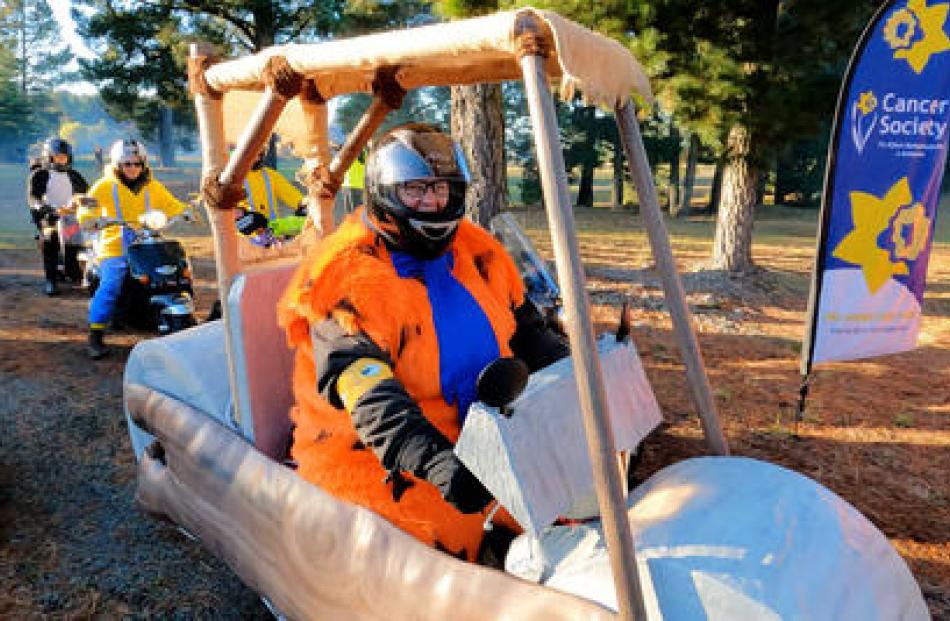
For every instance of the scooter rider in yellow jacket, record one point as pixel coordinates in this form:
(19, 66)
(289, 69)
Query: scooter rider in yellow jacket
(126, 192)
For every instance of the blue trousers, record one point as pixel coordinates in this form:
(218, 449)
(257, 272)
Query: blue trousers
(112, 273)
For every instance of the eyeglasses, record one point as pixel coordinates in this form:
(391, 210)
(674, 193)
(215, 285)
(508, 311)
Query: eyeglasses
(416, 190)
(132, 164)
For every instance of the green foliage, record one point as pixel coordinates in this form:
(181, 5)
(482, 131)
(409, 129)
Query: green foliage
(465, 8)
(142, 46)
(772, 66)
(24, 118)
(31, 61)
(140, 65)
(423, 105)
(800, 173)
(519, 142)
(30, 34)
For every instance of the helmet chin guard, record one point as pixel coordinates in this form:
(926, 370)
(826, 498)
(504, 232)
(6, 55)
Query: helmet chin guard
(416, 152)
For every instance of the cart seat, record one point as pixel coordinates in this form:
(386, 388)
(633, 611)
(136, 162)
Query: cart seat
(263, 360)
(191, 365)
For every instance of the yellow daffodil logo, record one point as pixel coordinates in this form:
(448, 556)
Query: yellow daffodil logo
(872, 216)
(910, 222)
(915, 33)
(861, 125)
(867, 103)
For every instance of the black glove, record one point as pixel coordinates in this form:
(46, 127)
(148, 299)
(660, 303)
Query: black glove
(251, 222)
(390, 423)
(458, 486)
(301, 209)
(43, 213)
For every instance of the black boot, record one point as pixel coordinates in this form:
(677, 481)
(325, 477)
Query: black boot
(97, 348)
(51, 264)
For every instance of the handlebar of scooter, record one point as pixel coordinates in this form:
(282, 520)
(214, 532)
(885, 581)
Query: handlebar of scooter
(152, 221)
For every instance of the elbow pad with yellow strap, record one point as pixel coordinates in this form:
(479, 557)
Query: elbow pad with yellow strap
(354, 373)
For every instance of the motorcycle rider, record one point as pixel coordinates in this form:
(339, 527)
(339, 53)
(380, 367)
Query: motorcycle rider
(392, 317)
(50, 189)
(126, 192)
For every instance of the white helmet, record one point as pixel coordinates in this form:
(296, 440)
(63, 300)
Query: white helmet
(128, 150)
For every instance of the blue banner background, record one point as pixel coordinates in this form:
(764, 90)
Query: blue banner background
(879, 167)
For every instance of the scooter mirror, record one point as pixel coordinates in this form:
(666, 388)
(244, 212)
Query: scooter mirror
(154, 220)
(501, 382)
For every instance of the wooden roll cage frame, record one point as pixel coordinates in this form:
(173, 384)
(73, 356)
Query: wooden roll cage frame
(222, 189)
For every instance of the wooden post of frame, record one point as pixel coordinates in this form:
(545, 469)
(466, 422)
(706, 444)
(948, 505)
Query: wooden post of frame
(672, 286)
(587, 369)
(209, 109)
(317, 156)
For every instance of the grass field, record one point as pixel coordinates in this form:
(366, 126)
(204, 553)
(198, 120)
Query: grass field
(776, 225)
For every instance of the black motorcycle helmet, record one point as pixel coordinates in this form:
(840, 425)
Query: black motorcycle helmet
(415, 152)
(57, 146)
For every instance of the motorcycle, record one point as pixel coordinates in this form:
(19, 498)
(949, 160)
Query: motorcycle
(157, 293)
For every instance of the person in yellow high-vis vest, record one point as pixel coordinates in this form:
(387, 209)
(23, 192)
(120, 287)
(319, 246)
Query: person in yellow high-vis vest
(125, 192)
(266, 189)
(353, 184)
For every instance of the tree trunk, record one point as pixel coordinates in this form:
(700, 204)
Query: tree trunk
(166, 138)
(673, 195)
(617, 194)
(732, 247)
(265, 29)
(585, 189)
(478, 123)
(689, 179)
(761, 188)
(716, 189)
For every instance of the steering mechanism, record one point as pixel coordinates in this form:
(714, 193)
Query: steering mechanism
(501, 382)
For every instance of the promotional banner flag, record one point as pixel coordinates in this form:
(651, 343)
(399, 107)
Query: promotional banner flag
(882, 185)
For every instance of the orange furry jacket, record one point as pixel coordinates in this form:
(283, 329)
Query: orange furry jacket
(350, 278)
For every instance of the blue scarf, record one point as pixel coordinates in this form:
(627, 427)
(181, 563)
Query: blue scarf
(466, 339)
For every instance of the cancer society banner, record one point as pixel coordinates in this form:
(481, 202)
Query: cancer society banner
(882, 186)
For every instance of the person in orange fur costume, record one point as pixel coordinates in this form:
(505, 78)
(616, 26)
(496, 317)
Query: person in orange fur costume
(392, 317)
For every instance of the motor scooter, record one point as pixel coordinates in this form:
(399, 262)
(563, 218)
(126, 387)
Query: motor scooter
(157, 293)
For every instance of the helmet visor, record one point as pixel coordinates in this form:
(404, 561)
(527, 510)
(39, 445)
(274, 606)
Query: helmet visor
(429, 156)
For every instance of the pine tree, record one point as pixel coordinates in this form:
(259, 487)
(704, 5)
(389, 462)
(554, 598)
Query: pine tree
(142, 46)
(748, 78)
(29, 30)
(27, 113)
(478, 124)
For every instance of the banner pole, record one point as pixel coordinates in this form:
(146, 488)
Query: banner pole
(824, 221)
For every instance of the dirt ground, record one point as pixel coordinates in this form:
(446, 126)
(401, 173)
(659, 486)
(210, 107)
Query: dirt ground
(73, 544)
